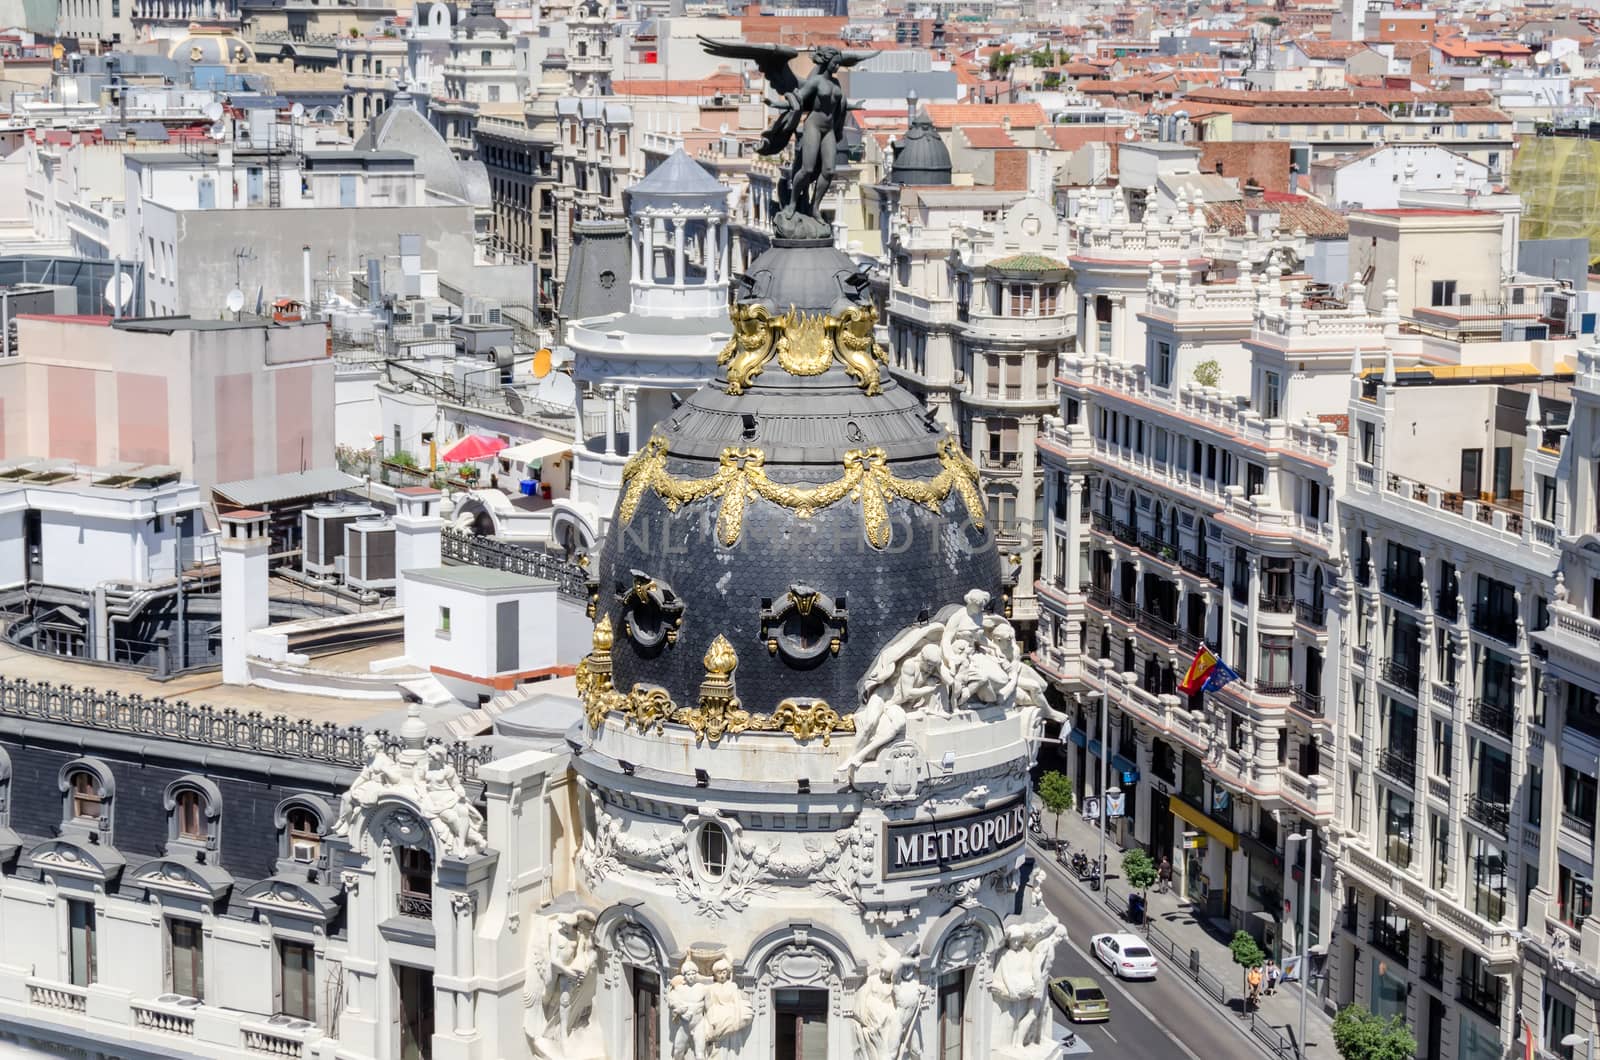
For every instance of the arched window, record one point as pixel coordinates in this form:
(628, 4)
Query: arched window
(190, 809)
(88, 801)
(304, 835)
(713, 850)
(415, 892)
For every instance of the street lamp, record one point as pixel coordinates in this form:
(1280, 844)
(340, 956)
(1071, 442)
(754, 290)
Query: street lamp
(1310, 838)
(1572, 1041)
(1107, 675)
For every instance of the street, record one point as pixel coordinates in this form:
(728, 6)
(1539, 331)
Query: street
(1186, 1025)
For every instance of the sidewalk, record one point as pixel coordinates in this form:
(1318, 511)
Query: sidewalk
(1173, 929)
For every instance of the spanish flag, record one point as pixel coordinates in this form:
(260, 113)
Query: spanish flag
(1206, 672)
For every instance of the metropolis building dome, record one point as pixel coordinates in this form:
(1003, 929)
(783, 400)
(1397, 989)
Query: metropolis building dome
(807, 725)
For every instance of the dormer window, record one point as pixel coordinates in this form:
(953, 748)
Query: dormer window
(191, 816)
(88, 802)
(415, 895)
(305, 835)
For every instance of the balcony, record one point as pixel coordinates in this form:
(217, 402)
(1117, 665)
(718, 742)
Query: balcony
(1100, 596)
(1193, 563)
(1100, 521)
(417, 906)
(1392, 941)
(1190, 642)
(1276, 604)
(1127, 533)
(1274, 688)
(1158, 548)
(1480, 997)
(1497, 719)
(1311, 614)
(1154, 623)
(1578, 824)
(1407, 589)
(1497, 624)
(1495, 816)
(1214, 572)
(1307, 702)
(1126, 610)
(1399, 766)
(1401, 676)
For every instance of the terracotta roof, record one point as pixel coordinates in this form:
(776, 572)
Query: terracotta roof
(986, 137)
(1311, 115)
(724, 83)
(1330, 49)
(1021, 115)
(1072, 137)
(1321, 97)
(1294, 212)
(1478, 114)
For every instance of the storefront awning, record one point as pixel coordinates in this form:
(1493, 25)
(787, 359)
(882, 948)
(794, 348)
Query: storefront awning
(1202, 822)
(538, 449)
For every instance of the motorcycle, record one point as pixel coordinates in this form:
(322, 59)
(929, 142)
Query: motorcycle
(1080, 864)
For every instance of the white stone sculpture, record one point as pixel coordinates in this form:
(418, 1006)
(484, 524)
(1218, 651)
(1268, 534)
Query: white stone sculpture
(686, 1004)
(728, 1011)
(886, 1008)
(966, 658)
(560, 987)
(904, 677)
(421, 776)
(1019, 981)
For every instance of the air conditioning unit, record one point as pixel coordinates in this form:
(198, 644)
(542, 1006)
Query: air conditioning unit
(322, 536)
(304, 851)
(369, 554)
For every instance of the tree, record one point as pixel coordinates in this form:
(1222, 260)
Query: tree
(1055, 791)
(1208, 373)
(1247, 955)
(1360, 1035)
(1138, 869)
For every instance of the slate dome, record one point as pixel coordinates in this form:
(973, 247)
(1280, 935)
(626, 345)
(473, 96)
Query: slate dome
(921, 157)
(805, 517)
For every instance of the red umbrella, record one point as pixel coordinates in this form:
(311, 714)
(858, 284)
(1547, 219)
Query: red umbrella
(472, 447)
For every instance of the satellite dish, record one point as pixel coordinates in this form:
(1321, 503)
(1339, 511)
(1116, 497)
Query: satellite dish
(235, 300)
(557, 389)
(1541, 58)
(213, 111)
(297, 111)
(219, 131)
(541, 363)
(119, 290)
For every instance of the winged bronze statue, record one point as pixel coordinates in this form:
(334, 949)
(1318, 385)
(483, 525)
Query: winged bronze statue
(811, 115)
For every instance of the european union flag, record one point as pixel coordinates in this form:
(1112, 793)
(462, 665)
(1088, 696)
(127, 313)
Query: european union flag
(1220, 677)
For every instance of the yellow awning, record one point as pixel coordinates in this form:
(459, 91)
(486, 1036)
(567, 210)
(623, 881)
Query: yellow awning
(1202, 822)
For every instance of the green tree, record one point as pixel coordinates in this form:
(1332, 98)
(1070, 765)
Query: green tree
(1138, 869)
(1246, 954)
(1055, 791)
(1208, 372)
(1361, 1035)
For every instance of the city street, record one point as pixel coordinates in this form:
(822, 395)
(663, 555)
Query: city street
(1186, 1025)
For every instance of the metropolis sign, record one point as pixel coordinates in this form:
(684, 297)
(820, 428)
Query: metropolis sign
(914, 847)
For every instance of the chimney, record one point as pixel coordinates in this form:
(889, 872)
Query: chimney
(417, 527)
(1252, 191)
(243, 554)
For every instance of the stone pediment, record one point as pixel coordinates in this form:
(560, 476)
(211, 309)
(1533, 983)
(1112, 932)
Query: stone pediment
(279, 896)
(69, 857)
(183, 879)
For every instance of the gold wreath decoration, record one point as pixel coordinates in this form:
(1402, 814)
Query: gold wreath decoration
(805, 344)
(648, 709)
(741, 475)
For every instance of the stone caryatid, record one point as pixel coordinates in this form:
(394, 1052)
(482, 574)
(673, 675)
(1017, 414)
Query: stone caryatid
(886, 1007)
(728, 1011)
(686, 1005)
(812, 115)
(422, 776)
(1019, 982)
(560, 987)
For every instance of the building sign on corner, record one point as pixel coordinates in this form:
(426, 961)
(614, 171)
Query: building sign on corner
(917, 847)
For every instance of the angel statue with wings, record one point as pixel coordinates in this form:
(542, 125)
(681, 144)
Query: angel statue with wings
(811, 114)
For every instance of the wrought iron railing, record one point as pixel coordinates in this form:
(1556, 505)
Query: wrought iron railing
(460, 547)
(1494, 717)
(419, 906)
(204, 725)
(1493, 815)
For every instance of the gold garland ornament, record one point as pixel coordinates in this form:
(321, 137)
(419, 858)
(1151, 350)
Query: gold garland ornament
(719, 713)
(741, 475)
(805, 344)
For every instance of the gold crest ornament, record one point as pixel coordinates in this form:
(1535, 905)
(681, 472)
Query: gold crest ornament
(805, 344)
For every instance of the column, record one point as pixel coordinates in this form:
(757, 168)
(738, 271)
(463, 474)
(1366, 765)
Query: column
(1252, 605)
(677, 251)
(462, 902)
(610, 393)
(636, 230)
(722, 252)
(648, 222)
(1073, 575)
(1119, 305)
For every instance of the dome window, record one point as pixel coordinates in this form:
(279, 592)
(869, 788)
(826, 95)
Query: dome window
(804, 625)
(651, 612)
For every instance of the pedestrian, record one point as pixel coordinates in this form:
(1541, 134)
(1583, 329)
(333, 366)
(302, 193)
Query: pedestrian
(1274, 974)
(1253, 978)
(1164, 874)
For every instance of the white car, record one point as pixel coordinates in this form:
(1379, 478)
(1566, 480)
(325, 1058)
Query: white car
(1126, 955)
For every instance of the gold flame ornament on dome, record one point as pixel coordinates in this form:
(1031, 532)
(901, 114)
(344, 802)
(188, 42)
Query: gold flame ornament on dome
(741, 475)
(805, 344)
